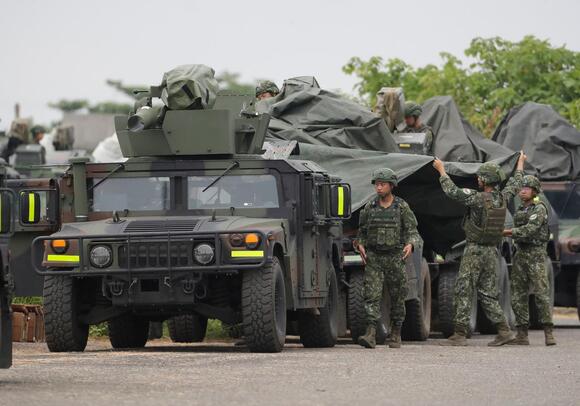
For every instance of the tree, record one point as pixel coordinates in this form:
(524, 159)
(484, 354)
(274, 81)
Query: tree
(69, 105)
(502, 75)
(231, 82)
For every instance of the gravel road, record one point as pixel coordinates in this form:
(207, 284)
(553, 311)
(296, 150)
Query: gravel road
(219, 373)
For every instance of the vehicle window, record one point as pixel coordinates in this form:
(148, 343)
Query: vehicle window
(132, 194)
(238, 191)
(565, 202)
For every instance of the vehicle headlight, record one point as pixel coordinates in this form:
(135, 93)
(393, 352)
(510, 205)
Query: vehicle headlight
(203, 253)
(101, 256)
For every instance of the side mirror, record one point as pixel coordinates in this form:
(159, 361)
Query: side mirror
(5, 213)
(29, 207)
(340, 205)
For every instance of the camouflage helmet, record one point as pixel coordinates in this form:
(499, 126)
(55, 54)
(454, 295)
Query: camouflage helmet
(37, 129)
(267, 87)
(532, 182)
(413, 109)
(385, 175)
(490, 173)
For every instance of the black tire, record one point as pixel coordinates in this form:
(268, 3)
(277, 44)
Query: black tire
(63, 331)
(128, 331)
(417, 325)
(484, 325)
(356, 305)
(321, 331)
(446, 289)
(264, 308)
(534, 319)
(187, 328)
(578, 294)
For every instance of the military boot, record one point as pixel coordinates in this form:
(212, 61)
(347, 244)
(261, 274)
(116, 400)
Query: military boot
(368, 340)
(521, 337)
(549, 333)
(504, 335)
(395, 339)
(458, 339)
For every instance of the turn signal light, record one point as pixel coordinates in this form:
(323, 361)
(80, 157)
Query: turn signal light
(59, 246)
(252, 240)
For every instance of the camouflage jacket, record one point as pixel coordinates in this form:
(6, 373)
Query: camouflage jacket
(475, 200)
(428, 146)
(382, 229)
(531, 225)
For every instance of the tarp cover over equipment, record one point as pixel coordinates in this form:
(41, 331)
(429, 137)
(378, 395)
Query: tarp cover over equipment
(189, 87)
(551, 143)
(455, 138)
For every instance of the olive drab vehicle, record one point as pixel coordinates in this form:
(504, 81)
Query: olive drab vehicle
(195, 225)
(6, 281)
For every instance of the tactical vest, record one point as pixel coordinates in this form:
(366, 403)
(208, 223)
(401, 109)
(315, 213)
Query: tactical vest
(522, 217)
(384, 226)
(489, 232)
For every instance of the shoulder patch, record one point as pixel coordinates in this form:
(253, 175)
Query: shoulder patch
(467, 191)
(533, 216)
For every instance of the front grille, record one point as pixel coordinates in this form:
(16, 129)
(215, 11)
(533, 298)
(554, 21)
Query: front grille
(154, 254)
(160, 226)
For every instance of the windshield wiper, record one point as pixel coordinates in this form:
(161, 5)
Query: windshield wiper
(107, 176)
(234, 164)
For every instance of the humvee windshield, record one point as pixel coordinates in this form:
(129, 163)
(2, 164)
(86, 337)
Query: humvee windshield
(565, 200)
(238, 191)
(132, 194)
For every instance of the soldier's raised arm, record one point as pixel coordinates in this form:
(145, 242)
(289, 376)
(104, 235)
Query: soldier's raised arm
(468, 197)
(514, 185)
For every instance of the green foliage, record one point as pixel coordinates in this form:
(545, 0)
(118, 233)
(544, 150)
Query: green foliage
(502, 75)
(27, 300)
(99, 330)
(69, 105)
(215, 330)
(231, 82)
(110, 107)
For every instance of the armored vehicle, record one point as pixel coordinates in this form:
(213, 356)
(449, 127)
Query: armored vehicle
(6, 282)
(195, 225)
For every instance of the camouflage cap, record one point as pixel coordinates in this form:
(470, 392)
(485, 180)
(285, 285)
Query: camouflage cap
(413, 109)
(490, 173)
(267, 87)
(532, 182)
(37, 129)
(385, 175)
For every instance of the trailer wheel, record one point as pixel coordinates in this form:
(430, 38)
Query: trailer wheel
(417, 325)
(187, 328)
(318, 331)
(264, 308)
(534, 319)
(63, 331)
(128, 331)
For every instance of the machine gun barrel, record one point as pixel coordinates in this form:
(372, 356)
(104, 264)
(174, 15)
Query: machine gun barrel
(145, 117)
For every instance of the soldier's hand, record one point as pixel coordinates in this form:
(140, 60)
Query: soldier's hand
(407, 250)
(439, 167)
(363, 253)
(507, 233)
(521, 161)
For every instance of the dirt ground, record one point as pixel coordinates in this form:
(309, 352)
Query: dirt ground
(220, 373)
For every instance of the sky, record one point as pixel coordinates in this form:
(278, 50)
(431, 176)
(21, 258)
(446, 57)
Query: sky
(50, 50)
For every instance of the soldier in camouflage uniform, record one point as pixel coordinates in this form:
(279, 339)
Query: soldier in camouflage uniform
(414, 125)
(483, 225)
(266, 90)
(387, 235)
(530, 235)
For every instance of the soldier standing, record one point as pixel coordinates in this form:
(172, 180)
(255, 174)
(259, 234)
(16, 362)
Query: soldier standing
(387, 236)
(414, 125)
(530, 235)
(483, 225)
(266, 90)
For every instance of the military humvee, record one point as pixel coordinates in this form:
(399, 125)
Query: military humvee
(195, 225)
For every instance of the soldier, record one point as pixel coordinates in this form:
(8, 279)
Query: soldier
(37, 132)
(483, 225)
(387, 236)
(530, 234)
(266, 90)
(414, 125)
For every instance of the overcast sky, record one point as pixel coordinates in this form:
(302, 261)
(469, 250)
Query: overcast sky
(67, 49)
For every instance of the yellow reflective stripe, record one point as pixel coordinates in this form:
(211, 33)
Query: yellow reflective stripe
(247, 254)
(31, 207)
(63, 258)
(404, 145)
(341, 201)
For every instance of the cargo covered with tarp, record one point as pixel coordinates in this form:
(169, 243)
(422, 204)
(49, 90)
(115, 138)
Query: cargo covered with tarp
(350, 142)
(455, 139)
(551, 143)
